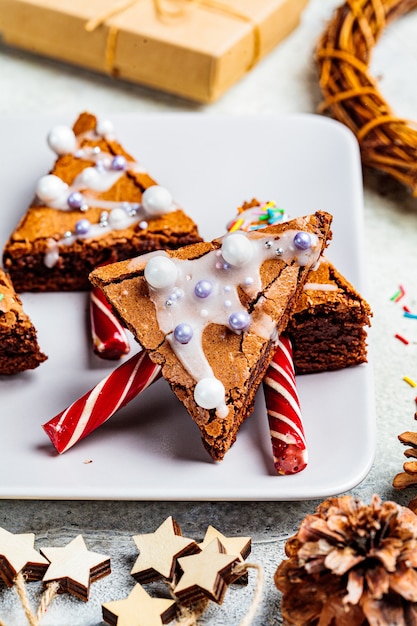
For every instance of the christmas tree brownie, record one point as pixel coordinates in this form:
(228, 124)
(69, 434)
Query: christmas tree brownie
(210, 314)
(97, 205)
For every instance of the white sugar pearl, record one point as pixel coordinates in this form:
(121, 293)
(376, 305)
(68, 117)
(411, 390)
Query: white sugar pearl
(209, 393)
(118, 219)
(61, 140)
(156, 200)
(51, 188)
(161, 272)
(104, 128)
(90, 178)
(237, 249)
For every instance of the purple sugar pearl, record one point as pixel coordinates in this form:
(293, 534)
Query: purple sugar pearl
(118, 163)
(82, 227)
(75, 200)
(183, 333)
(240, 320)
(302, 241)
(203, 288)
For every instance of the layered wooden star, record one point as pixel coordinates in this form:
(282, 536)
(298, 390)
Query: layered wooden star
(139, 609)
(232, 545)
(159, 551)
(205, 575)
(75, 567)
(240, 546)
(17, 554)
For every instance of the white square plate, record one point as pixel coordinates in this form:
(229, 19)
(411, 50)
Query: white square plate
(151, 449)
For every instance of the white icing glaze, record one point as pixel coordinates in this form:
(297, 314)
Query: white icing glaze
(55, 193)
(320, 287)
(177, 303)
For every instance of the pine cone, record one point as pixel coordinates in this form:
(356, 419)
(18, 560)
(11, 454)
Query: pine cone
(351, 565)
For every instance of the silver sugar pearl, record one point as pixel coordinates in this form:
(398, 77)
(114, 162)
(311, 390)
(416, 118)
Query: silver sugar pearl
(279, 251)
(84, 208)
(268, 244)
(67, 234)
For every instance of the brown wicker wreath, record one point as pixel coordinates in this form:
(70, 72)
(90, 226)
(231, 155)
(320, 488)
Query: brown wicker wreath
(351, 94)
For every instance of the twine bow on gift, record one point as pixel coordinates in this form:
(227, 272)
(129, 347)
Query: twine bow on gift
(178, 9)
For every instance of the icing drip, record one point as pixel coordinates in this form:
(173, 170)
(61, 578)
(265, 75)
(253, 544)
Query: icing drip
(320, 287)
(81, 195)
(191, 294)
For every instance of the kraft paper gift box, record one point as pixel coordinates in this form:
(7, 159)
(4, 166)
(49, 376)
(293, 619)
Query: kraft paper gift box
(195, 49)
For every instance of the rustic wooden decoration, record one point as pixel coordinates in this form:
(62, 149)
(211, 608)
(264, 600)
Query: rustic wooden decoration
(17, 554)
(75, 567)
(232, 545)
(139, 609)
(351, 94)
(159, 551)
(240, 546)
(205, 575)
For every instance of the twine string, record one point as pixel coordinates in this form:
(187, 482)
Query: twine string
(21, 592)
(257, 596)
(48, 595)
(180, 9)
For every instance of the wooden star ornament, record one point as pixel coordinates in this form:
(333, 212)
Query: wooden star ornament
(139, 609)
(240, 546)
(205, 575)
(159, 551)
(17, 554)
(75, 567)
(231, 545)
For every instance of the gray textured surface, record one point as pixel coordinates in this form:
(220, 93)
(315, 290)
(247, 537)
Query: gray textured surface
(283, 82)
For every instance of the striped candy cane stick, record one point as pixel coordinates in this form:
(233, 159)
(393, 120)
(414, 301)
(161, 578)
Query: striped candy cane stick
(109, 337)
(284, 413)
(101, 402)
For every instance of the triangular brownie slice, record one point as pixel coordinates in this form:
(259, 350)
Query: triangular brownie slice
(210, 314)
(19, 348)
(96, 205)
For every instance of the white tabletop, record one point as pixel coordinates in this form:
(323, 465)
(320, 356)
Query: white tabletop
(284, 82)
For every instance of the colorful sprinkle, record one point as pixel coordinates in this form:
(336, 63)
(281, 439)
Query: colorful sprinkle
(406, 309)
(401, 338)
(236, 225)
(398, 294)
(409, 381)
(411, 316)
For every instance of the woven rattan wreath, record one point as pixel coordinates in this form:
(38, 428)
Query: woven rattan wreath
(351, 94)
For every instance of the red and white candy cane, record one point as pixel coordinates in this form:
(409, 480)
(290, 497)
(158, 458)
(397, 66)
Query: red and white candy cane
(100, 403)
(284, 414)
(109, 337)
